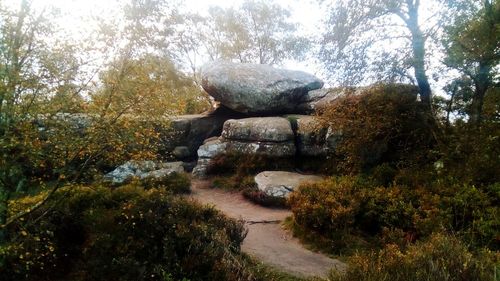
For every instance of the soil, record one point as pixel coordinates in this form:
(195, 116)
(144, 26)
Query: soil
(267, 240)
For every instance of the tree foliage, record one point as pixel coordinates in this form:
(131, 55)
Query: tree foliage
(357, 30)
(257, 32)
(471, 46)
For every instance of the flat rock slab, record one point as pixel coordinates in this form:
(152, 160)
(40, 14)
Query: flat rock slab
(266, 239)
(281, 183)
(142, 170)
(270, 129)
(257, 88)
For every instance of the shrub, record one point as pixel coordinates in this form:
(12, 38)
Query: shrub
(383, 174)
(474, 213)
(326, 206)
(243, 165)
(128, 233)
(380, 123)
(338, 208)
(177, 183)
(261, 198)
(235, 182)
(440, 258)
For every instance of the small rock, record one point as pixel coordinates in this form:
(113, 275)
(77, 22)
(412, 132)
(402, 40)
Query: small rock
(181, 152)
(280, 183)
(142, 170)
(212, 148)
(200, 171)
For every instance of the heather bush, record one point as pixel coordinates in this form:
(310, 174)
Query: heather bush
(383, 123)
(261, 198)
(439, 258)
(94, 233)
(177, 183)
(354, 206)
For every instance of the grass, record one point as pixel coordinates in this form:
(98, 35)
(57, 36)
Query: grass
(263, 272)
(345, 244)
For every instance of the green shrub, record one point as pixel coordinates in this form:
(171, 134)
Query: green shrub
(474, 213)
(440, 258)
(235, 182)
(338, 208)
(177, 183)
(383, 174)
(381, 123)
(244, 165)
(326, 206)
(261, 198)
(123, 234)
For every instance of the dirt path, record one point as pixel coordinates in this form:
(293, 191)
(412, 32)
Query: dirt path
(266, 239)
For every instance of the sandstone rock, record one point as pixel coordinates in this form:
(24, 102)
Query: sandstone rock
(319, 98)
(269, 129)
(256, 88)
(190, 131)
(333, 137)
(270, 149)
(280, 183)
(200, 170)
(310, 135)
(212, 148)
(181, 152)
(142, 170)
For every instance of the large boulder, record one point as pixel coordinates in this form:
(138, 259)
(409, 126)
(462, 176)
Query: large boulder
(142, 170)
(281, 184)
(255, 88)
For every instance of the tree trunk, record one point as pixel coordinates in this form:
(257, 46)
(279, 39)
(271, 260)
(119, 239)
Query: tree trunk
(482, 83)
(4, 200)
(418, 49)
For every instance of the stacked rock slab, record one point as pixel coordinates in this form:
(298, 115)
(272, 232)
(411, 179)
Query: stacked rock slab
(269, 136)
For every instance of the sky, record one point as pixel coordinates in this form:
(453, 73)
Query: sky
(307, 13)
(75, 12)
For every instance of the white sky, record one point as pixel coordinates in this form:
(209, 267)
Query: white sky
(308, 13)
(75, 12)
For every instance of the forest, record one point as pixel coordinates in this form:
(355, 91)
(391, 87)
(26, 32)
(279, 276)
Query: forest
(409, 190)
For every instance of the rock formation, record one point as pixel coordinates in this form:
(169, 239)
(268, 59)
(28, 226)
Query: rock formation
(261, 91)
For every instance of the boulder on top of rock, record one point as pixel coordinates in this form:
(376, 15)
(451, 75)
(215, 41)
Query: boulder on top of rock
(267, 129)
(317, 99)
(280, 183)
(257, 88)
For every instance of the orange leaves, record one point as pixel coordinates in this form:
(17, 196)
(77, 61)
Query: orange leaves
(379, 123)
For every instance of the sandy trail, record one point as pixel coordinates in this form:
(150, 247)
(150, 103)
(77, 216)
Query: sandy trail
(266, 239)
